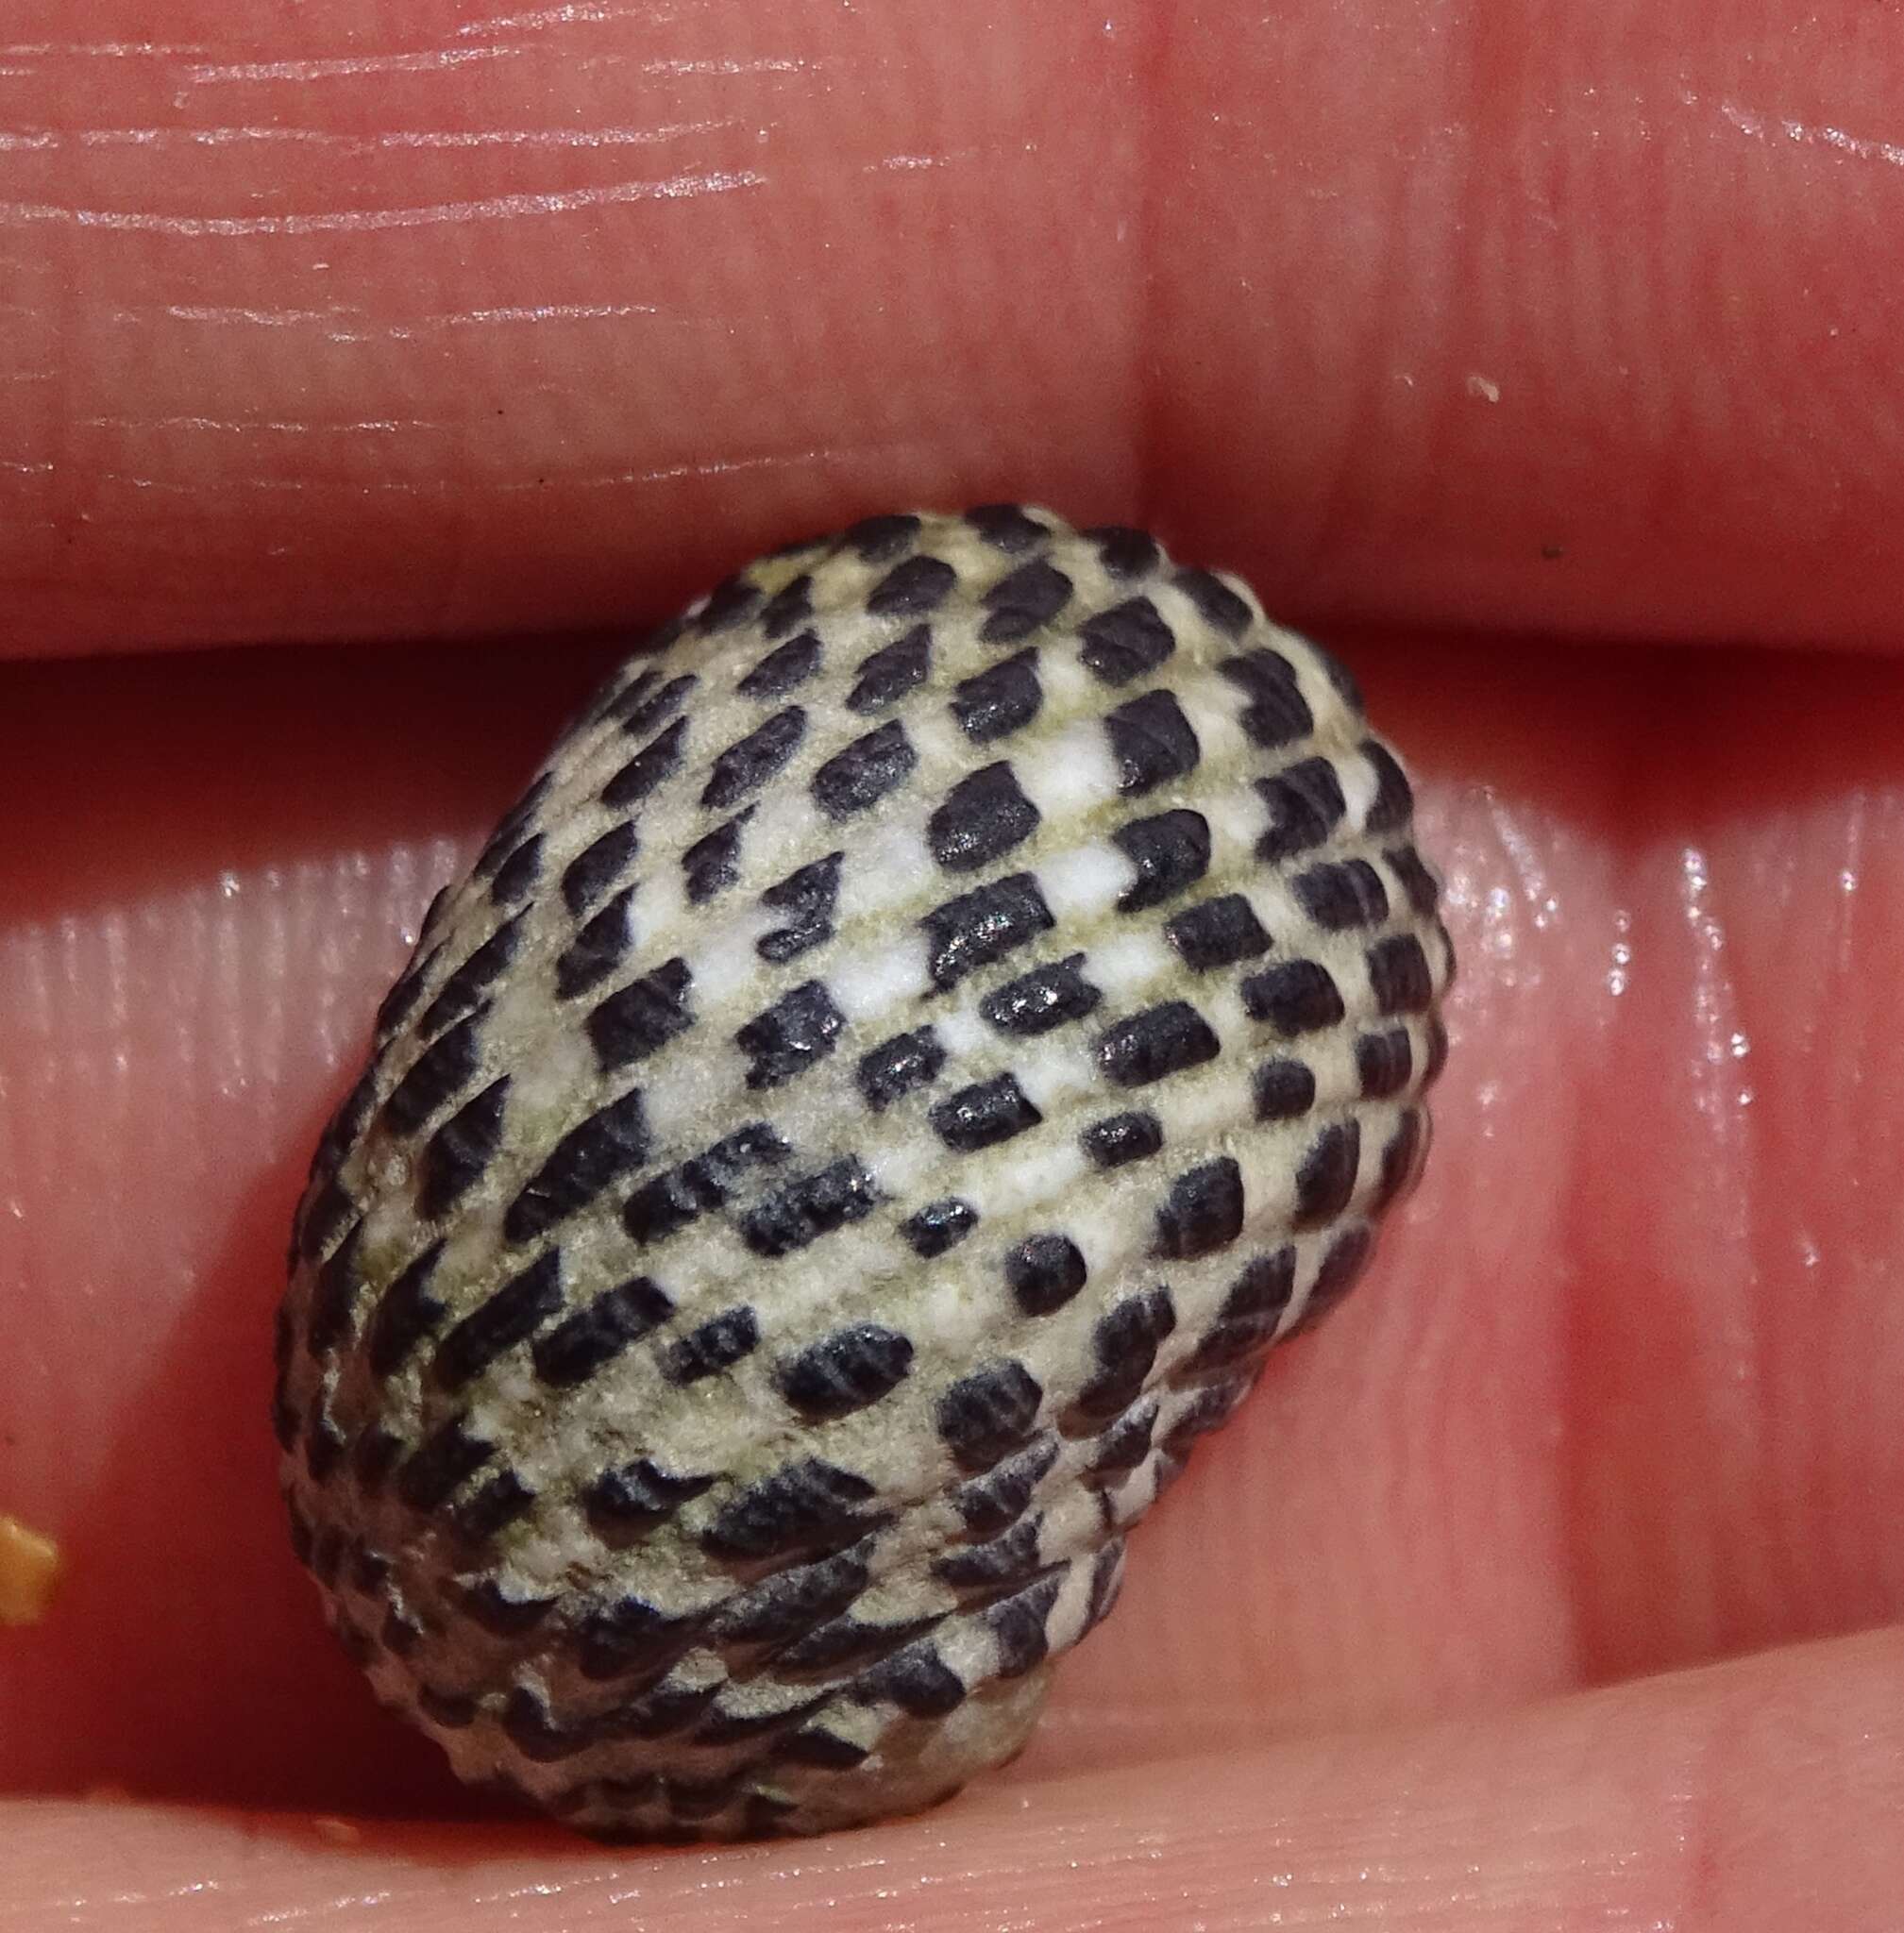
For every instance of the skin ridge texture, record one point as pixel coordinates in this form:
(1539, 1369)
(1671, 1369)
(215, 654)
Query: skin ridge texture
(939, 1016)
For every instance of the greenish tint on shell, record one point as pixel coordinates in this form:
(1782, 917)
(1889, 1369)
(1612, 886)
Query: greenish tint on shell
(935, 1020)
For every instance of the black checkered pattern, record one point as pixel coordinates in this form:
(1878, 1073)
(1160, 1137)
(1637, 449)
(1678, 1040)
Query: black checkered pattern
(934, 1023)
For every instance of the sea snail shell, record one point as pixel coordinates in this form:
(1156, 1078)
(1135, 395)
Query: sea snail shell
(932, 1024)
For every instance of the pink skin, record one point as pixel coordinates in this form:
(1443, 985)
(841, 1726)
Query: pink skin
(1373, 303)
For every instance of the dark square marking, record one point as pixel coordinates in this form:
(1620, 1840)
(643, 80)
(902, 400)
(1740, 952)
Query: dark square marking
(814, 1206)
(1007, 528)
(464, 990)
(610, 1143)
(724, 1727)
(1203, 1212)
(499, 1503)
(659, 1207)
(639, 718)
(1216, 933)
(1282, 1090)
(1342, 896)
(809, 896)
(442, 1069)
(1394, 800)
(917, 1680)
(1126, 641)
(1216, 604)
(512, 826)
(510, 1316)
(711, 864)
(940, 1226)
(1122, 1137)
(1345, 1259)
(661, 758)
(999, 700)
(406, 1314)
(1383, 1062)
(985, 1571)
(896, 1066)
(456, 1155)
(719, 1342)
(892, 671)
(534, 1732)
(637, 1497)
(1125, 1443)
(1159, 1041)
(1276, 713)
(632, 1637)
(334, 1298)
(594, 1336)
(981, 819)
(986, 1505)
(985, 1416)
(1264, 1287)
(845, 1371)
(642, 1017)
(596, 950)
(1019, 603)
(878, 540)
(1045, 1271)
(1122, 551)
(621, 689)
(983, 926)
(729, 603)
(790, 1036)
(1125, 1342)
(848, 1641)
(395, 1006)
(1304, 805)
(1045, 998)
(983, 1114)
(751, 762)
(790, 1602)
(1326, 1178)
(448, 1455)
(912, 589)
(1152, 741)
(1020, 1626)
(1417, 882)
(812, 1505)
(865, 771)
(1296, 998)
(597, 867)
(791, 605)
(782, 668)
(1171, 851)
(1399, 975)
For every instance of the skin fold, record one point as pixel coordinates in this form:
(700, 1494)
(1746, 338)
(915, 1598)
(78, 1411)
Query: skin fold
(1555, 1582)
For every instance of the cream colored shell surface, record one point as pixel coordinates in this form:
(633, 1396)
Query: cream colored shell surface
(935, 1020)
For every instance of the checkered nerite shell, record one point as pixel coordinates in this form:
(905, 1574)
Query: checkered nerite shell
(926, 1033)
